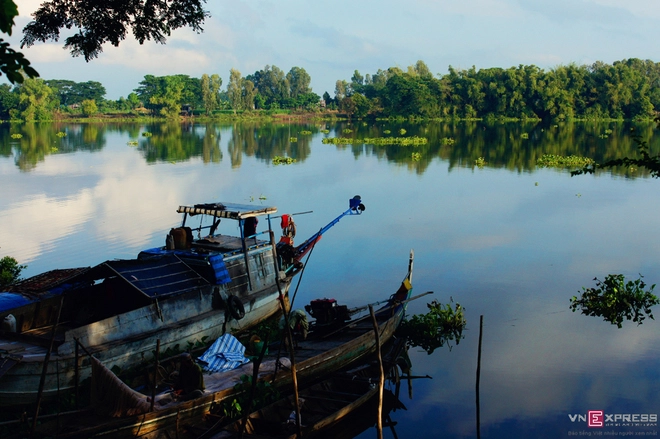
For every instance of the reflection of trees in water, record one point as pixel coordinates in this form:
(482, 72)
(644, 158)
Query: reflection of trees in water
(265, 141)
(41, 139)
(513, 146)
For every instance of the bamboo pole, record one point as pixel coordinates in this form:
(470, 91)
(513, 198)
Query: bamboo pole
(294, 376)
(153, 388)
(42, 381)
(381, 376)
(481, 325)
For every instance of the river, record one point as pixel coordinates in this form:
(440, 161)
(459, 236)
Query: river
(507, 240)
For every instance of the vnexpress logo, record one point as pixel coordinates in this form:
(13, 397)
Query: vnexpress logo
(595, 418)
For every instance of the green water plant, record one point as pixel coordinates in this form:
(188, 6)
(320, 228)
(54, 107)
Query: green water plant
(293, 139)
(16, 136)
(61, 134)
(305, 132)
(146, 134)
(438, 327)
(277, 160)
(558, 161)
(480, 162)
(614, 300)
(233, 408)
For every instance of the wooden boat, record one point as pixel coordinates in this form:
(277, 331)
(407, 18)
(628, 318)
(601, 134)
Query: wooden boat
(324, 352)
(322, 405)
(185, 293)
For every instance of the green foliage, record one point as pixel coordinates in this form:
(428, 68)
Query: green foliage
(264, 394)
(305, 132)
(556, 161)
(416, 156)
(440, 326)
(447, 141)
(10, 271)
(614, 300)
(651, 163)
(480, 162)
(402, 141)
(278, 160)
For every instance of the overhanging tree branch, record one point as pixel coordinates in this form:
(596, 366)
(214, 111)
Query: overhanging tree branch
(109, 21)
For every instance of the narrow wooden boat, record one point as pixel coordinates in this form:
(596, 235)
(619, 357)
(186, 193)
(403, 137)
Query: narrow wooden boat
(324, 352)
(187, 292)
(322, 405)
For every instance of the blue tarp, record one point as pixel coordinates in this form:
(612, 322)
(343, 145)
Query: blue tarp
(226, 353)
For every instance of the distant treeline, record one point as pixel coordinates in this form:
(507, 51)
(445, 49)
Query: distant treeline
(628, 89)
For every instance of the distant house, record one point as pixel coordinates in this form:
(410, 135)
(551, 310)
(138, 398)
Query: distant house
(186, 110)
(322, 103)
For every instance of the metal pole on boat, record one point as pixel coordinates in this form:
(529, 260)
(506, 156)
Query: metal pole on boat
(153, 389)
(381, 377)
(76, 374)
(42, 381)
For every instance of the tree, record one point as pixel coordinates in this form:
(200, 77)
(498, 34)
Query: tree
(210, 92)
(299, 81)
(234, 92)
(99, 22)
(89, 107)
(12, 63)
(10, 271)
(35, 98)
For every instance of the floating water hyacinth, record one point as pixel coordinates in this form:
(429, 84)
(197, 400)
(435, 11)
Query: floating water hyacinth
(60, 134)
(146, 134)
(277, 160)
(557, 161)
(305, 132)
(132, 143)
(16, 136)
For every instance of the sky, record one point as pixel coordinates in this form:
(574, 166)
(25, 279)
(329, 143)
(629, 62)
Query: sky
(332, 39)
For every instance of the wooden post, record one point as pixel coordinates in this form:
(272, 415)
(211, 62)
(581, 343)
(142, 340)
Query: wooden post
(481, 325)
(42, 381)
(153, 390)
(76, 374)
(294, 376)
(381, 377)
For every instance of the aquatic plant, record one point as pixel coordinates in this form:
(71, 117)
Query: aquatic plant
(614, 300)
(233, 408)
(348, 130)
(325, 131)
(558, 161)
(16, 136)
(402, 131)
(440, 326)
(416, 156)
(387, 132)
(132, 143)
(447, 141)
(277, 160)
(147, 134)
(524, 136)
(480, 162)
(60, 134)
(396, 140)
(305, 132)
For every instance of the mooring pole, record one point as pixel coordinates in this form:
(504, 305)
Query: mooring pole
(381, 376)
(481, 326)
(153, 389)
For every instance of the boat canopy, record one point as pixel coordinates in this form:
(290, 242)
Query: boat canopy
(155, 277)
(227, 210)
(152, 278)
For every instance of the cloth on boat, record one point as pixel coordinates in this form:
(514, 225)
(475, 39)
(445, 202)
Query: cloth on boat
(111, 397)
(298, 322)
(226, 353)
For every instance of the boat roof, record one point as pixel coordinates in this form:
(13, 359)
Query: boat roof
(151, 278)
(227, 210)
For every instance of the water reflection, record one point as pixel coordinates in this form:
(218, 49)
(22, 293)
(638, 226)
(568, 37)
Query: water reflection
(512, 146)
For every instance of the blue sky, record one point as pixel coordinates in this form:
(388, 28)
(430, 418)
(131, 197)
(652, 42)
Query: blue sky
(331, 39)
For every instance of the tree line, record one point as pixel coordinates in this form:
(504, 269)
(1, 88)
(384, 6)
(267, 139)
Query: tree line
(627, 89)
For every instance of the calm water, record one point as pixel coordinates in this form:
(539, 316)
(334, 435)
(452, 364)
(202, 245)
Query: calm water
(507, 241)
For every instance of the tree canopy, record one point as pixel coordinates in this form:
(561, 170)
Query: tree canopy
(98, 22)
